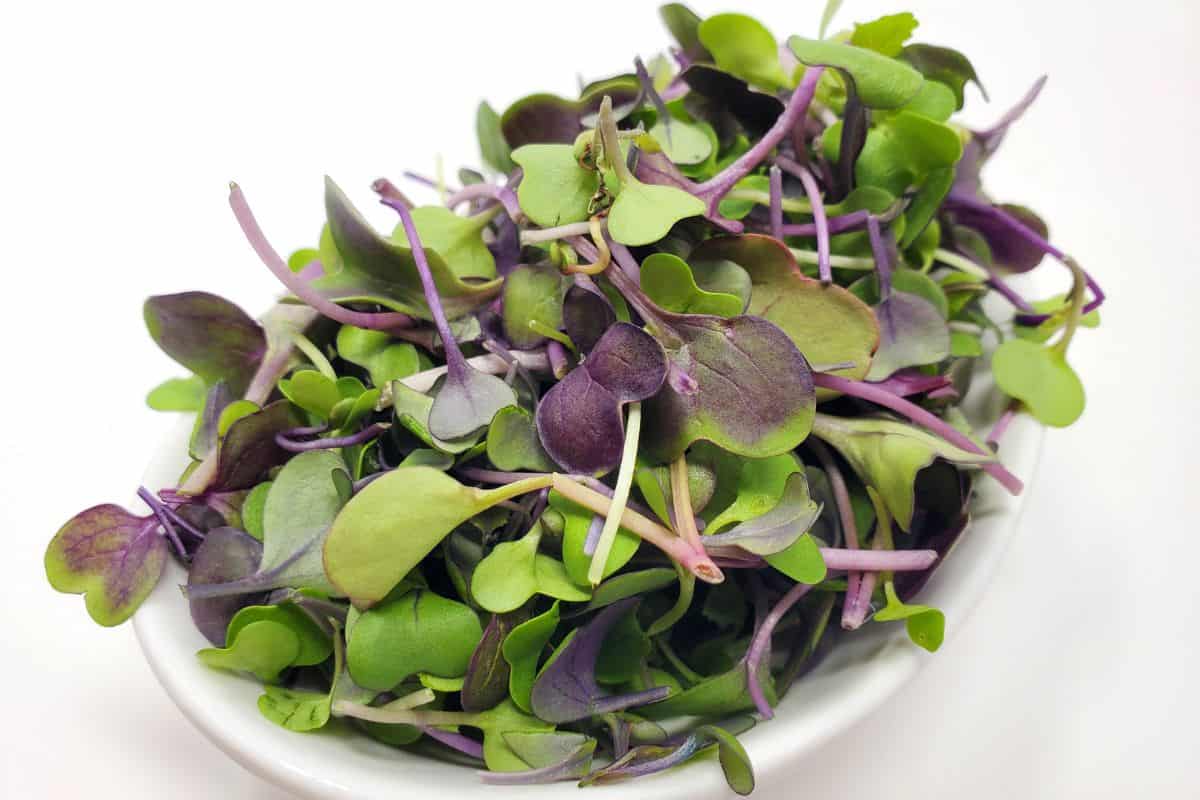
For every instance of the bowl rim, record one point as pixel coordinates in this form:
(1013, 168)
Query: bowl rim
(877, 660)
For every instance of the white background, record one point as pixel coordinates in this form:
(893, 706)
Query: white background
(122, 123)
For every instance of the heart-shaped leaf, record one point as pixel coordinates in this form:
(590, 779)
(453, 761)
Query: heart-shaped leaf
(1041, 378)
(532, 294)
(926, 625)
(746, 487)
(555, 189)
(226, 554)
(412, 409)
(110, 556)
(723, 94)
(178, 394)
(643, 213)
(513, 444)
(827, 323)
(417, 632)
(668, 281)
(911, 333)
(684, 142)
(579, 420)
(382, 356)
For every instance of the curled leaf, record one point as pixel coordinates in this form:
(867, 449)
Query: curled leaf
(879, 81)
(1041, 378)
(777, 529)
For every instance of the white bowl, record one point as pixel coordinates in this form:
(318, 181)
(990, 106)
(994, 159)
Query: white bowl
(859, 674)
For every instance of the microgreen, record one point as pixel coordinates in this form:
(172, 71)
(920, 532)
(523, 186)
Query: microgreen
(757, 284)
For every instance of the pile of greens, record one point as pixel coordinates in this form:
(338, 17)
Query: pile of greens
(605, 440)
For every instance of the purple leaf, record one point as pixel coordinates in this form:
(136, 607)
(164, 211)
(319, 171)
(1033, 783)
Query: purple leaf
(716, 93)
(249, 448)
(1012, 249)
(205, 435)
(226, 554)
(207, 334)
(575, 765)
(566, 690)
(579, 420)
(486, 681)
(941, 513)
(109, 555)
(908, 382)
(911, 332)
(587, 314)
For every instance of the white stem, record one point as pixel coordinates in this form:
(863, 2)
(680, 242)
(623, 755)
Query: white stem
(612, 521)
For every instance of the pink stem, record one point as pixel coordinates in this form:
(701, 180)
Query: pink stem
(297, 286)
(820, 221)
(841, 497)
(760, 646)
(501, 194)
(866, 391)
(775, 176)
(843, 560)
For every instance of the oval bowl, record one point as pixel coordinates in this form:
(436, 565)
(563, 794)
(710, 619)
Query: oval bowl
(862, 671)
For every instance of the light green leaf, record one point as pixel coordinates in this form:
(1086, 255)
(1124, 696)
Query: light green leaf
(513, 444)
(742, 45)
(643, 213)
(299, 510)
(417, 632)
(926, 625)
(885, 35)
(252, 509)
(555, 190)
(178, 394)
(553, 580)
(492, 146)
(263, 649)
(507, 577)
(1041, 378)
(751, 486)
(880, 82)
(683, 142)
(532, 294)
(575, 527)
(382, 356)
(522, 648)
(667, 280)
(457, 239)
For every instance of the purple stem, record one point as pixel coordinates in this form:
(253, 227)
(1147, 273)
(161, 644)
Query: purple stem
(865, 391)
(760, 646)
(593, 535)
(386, 188)
(559, 365)
(839, 224)
(625, 259)
(366, 481)
(163, 519)
(991, 136)
(365, 435)
(501, 194)
(843, 560)
(419, 178)
(1001, 426)
(1031, 237)
(883, 260)
(712, 190)
(819, 220)
(1009, 294)
(841, 498)
(294, 284)
(775, 178)
(456, 365)
(456, 741)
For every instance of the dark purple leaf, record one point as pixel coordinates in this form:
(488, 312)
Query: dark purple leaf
(566, 690)
(110, 556)
(249, 448)
(1010, 249)
(722, 93)
(907, 382)
(940, 515)
(579, 419)
(226, 554)
(486, 681)
(587, 314)
(207, 334)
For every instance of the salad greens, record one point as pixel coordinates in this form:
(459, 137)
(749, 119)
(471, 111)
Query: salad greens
(609, 436)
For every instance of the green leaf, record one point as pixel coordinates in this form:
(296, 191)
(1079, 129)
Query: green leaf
(576, 522)
(178, 394)
(683, 142)
(965, 345)
(293, 709)
(310, 390)
(313, 645)
(880, 82)
(555, 189)
(724, 277)
(643, 213)
(912, 333)
(827, 323)
(412, 409)
(388, 527)
(754, 484)
(935, 100)
(683, 602)
(827, 15)
(684, 25)
(523, 648)
(630, 584)
(208, 335)
(513, 444)
(904, 280)
(721, 695)
(554, 581)
(1041, 378)
(667, 280)
(297, 514)
(926, 625)
(801, 561)
(887, 455)
(416, 632)
(735, 207)
(507, 577)
(925, 203)
(902, 149)
(506, 719)
(943, 65)
(367, 267)
(492, 146)
(744, 47)
(885, 35)
(624, 650)
(777, 529)
(441, 684)
(532, 294)
(263, 649)
(735, 761)
(236, 410)
(252, 509)
(456, 239)
(376, 351)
